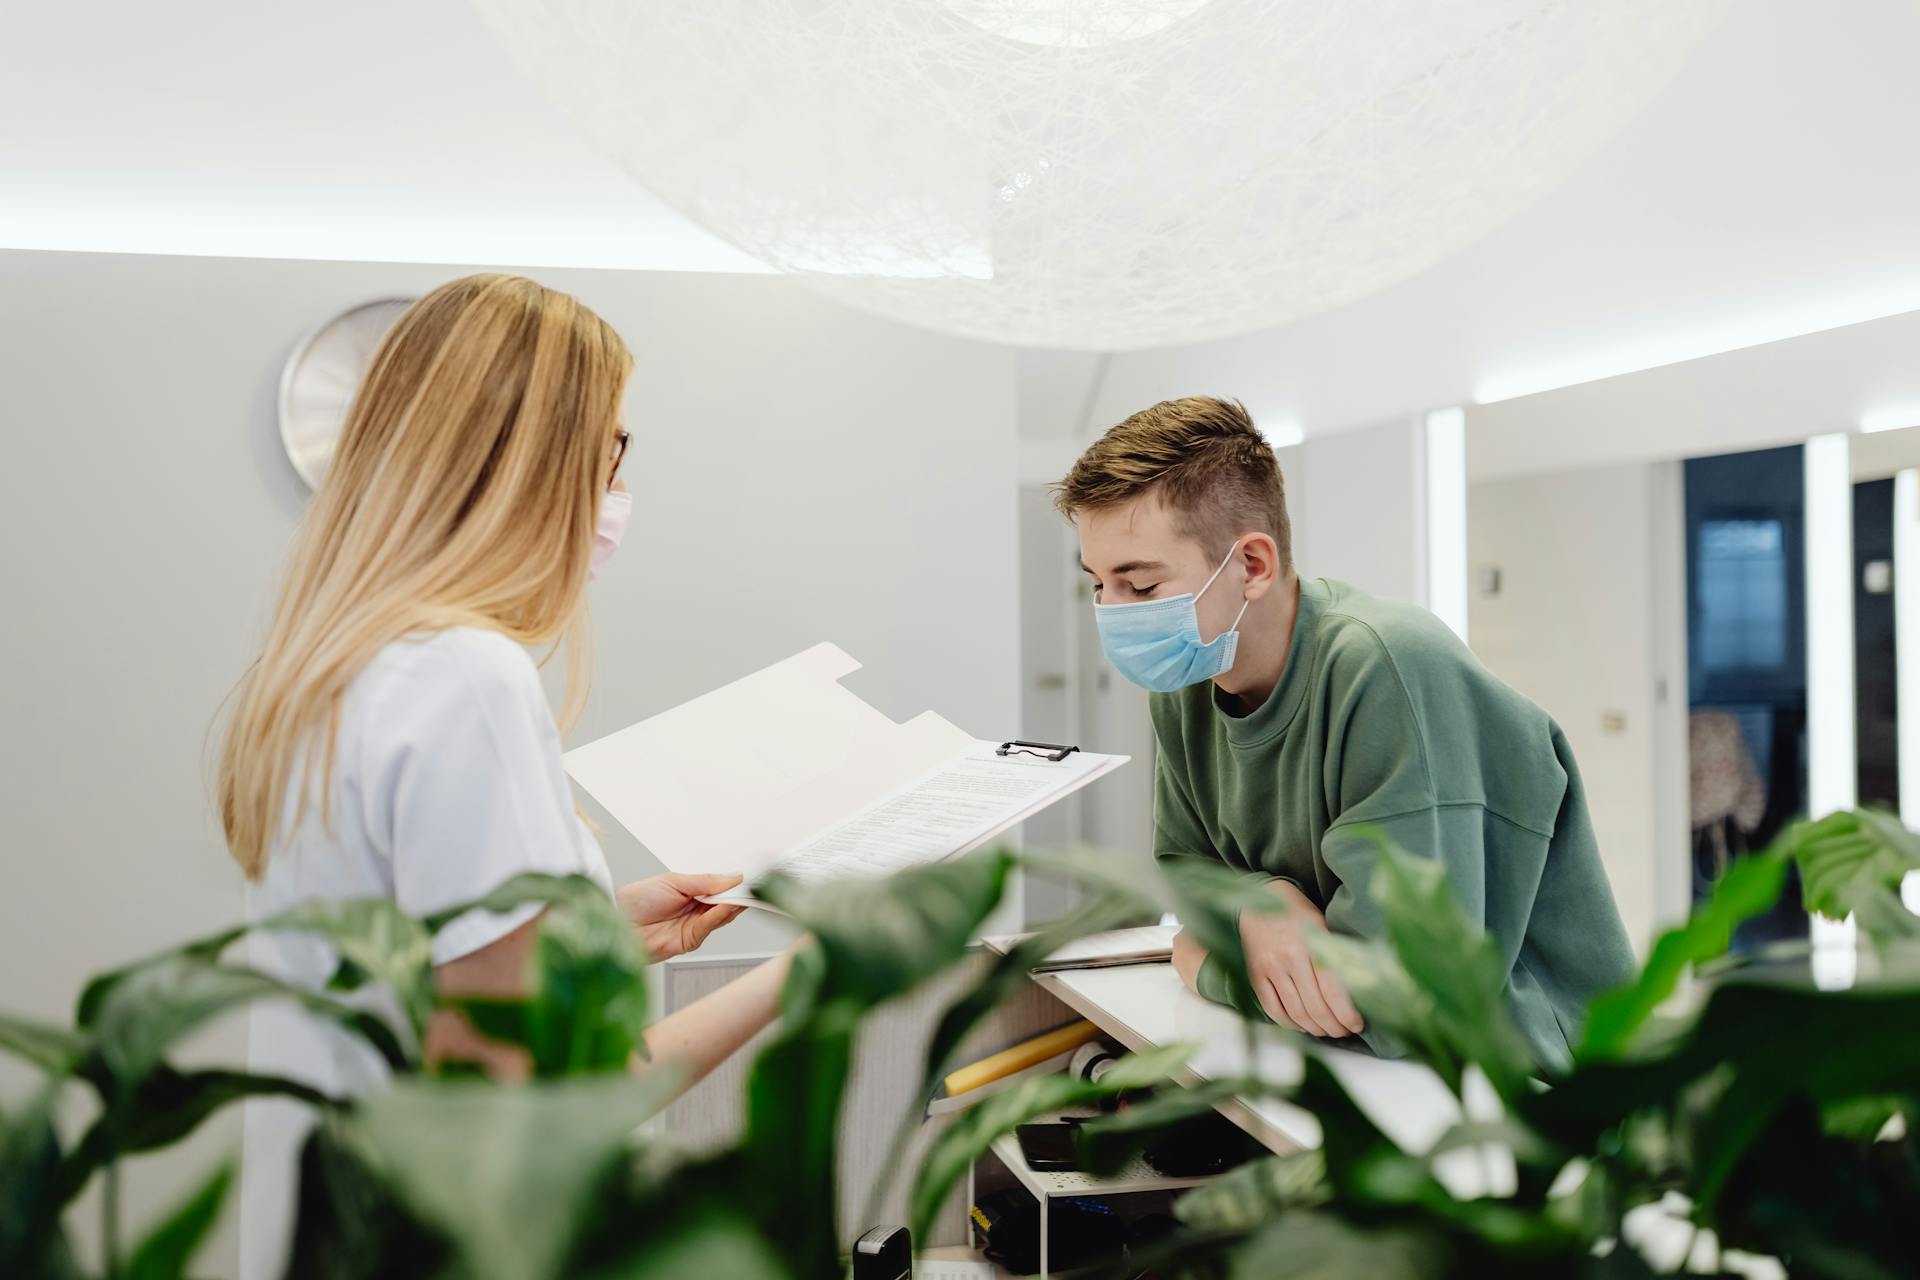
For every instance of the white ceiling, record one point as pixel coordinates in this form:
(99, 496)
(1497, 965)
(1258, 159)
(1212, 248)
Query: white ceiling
(361, 129)
(1773, 190)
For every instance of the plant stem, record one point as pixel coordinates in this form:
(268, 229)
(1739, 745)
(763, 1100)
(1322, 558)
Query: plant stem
(1686, 1259)
(110, 1220)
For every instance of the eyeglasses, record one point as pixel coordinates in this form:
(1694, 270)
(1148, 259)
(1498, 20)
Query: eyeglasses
(621, 439)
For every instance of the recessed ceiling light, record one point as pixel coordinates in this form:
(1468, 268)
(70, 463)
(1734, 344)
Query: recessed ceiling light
(1284, 434)
(1891, 419)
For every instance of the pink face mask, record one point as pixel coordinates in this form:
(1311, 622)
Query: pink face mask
(616, 508)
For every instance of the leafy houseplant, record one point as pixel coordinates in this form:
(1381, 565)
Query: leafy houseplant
(1772, 1116)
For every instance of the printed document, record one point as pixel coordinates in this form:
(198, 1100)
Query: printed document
(953, 808)
(789, 768)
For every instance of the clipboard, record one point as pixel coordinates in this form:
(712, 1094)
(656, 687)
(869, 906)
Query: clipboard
(741, 777)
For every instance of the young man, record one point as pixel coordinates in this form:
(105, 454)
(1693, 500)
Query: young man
(1290, 714)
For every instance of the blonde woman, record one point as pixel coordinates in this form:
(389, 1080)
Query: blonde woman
(393, 738)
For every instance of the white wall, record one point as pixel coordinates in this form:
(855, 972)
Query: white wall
(1589, 623)
(1779, 393)
(802, 472)
(1357, 501)
(1880, 454)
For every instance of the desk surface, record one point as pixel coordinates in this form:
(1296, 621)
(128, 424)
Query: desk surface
(1146, 1004)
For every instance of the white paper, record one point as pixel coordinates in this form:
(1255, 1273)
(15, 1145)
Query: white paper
(954, 1270)
(788, 759)
(1142, 945)
(952, 808)
(732, 779)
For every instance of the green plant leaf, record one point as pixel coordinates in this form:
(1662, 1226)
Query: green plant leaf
(1105, 907)
(1826, 1206)
(349, 1224)
(1008, 973)
(508, 1021)
(534, 886)
(592, 988)
(707, 1240)
(207, 950)
(1761, 1084)
(1884, 919)
(1364, 1166)
(881, 937)
(1594, 1200)
(1863, 1119)
(1250, 1197)
(1100, 873)
(1750, 888)
(55, 1050)
(510, 1176)
(789, 1162)
(586, 1009)
(142, 1016)
(164, 1107)
(1209, 897)
(1368, 1172)
(1515, 1137)
(1314, 1244)
(375, 941)
(1759, 1044)
(32, 1240)
(167, 1250)
(806, 985)
(138, 1019)
(971, 1132)
(1454, 962)
(1392, 1001)
(1849, 856)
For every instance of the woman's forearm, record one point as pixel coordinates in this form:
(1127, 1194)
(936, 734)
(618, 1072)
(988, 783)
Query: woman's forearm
(694, 1040)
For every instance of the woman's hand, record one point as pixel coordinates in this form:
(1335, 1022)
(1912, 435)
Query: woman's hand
(670, 921)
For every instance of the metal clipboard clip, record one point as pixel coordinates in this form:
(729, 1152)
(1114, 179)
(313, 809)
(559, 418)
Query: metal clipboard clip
(1053, 751)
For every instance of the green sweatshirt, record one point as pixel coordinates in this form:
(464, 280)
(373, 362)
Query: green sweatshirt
(1383, 718)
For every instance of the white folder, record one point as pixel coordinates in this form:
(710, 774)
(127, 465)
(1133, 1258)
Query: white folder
(742, 777)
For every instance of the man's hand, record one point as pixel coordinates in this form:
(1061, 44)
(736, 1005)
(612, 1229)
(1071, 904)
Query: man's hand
(1293, 992)
(670, 921)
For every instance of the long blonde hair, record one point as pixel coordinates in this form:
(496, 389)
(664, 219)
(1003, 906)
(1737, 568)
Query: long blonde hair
(463, 493)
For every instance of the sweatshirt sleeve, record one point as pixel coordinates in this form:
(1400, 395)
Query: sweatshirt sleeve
(1494, 864)
(1380, 779)
(1178, 832)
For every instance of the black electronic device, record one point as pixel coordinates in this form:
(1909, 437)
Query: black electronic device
(1048, 1147)
(884, 1253)
(1202, 1146)
(1084, 1231)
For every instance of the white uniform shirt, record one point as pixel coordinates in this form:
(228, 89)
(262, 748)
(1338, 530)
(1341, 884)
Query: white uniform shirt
(447, 782)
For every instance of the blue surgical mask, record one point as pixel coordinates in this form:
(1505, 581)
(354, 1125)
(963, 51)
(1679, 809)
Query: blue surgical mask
(1156, 643)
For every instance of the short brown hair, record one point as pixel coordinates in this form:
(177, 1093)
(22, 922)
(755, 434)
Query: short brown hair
(1205, 459)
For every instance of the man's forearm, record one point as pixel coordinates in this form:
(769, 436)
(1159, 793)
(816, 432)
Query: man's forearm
(1188, 956)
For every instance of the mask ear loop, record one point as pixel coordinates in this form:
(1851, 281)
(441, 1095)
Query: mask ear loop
(1239, 615)
(1231, 552)
(1222, 569)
